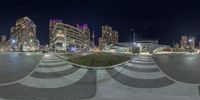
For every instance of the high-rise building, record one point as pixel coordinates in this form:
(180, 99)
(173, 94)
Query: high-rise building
(52, 23)
(191, 42)
(199, 44)
(70, 38)
(23, 35)
(183, 42)
(101, 43)
(93, 44)
(3, 38)
(177, 46)
(85, 29)
(3, 44)
(108, 36)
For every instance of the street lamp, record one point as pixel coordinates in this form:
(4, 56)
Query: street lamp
(13, 41)
(134, 43)
(138, 45)
(190, 40)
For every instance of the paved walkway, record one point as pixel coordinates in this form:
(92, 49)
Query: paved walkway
(55, 79)
(15, 66)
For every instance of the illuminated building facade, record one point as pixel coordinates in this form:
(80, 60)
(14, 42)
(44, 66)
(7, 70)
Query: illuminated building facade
(93, 44)
(86, 31)
(108, 36)
(4, 46)
(191, 43)
(23, 36)
(187, 43)
(183, 42)
(52, 23)
(177, 46)
(101, 43)
(70, 38)
(3, 39)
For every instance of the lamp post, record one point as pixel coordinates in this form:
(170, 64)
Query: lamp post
(134, 44)
(190, 40)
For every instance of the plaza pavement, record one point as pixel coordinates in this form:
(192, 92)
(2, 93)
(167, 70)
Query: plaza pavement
(140, 79)
(14, 66)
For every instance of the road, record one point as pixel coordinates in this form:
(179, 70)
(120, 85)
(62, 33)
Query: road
(15, 66)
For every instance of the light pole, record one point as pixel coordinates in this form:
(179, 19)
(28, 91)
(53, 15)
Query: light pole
(133, 38)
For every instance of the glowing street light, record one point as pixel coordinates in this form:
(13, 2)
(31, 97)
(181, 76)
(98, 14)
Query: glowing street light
(190, 40)
(13, 41)
(138, 45)
(59, 31)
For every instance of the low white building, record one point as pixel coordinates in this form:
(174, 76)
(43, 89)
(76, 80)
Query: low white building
(136, 47)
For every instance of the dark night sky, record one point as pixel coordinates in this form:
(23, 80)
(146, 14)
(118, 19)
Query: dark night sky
(151, 19)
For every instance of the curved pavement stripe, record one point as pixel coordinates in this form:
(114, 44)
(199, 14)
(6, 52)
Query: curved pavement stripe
(139, 75)
(50, 66)
(62, 57)
(102, 75)
(199, 89)
(139, 59)
(51, 59)
(85, 88)
(142, 62)
(141, 66)
(139, 83)
(147, 70)
(55, 82)
(54, 74)
(53, 63)
(145, 57)
(54, 69)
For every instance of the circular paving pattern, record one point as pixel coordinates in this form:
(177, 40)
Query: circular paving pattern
(56, 79)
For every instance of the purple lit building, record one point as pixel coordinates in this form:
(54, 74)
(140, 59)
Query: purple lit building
(70, 38)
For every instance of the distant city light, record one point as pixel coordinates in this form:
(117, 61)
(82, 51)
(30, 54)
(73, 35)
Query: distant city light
(138, 45)
(31, 40)
(73, 49)
(28, 54)
(60, 35)
(47, 55)
(13, 41)
(59, 31)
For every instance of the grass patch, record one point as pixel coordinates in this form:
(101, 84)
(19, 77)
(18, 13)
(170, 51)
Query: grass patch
(100, 59)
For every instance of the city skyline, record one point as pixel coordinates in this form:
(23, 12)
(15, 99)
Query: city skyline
(166, 21)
